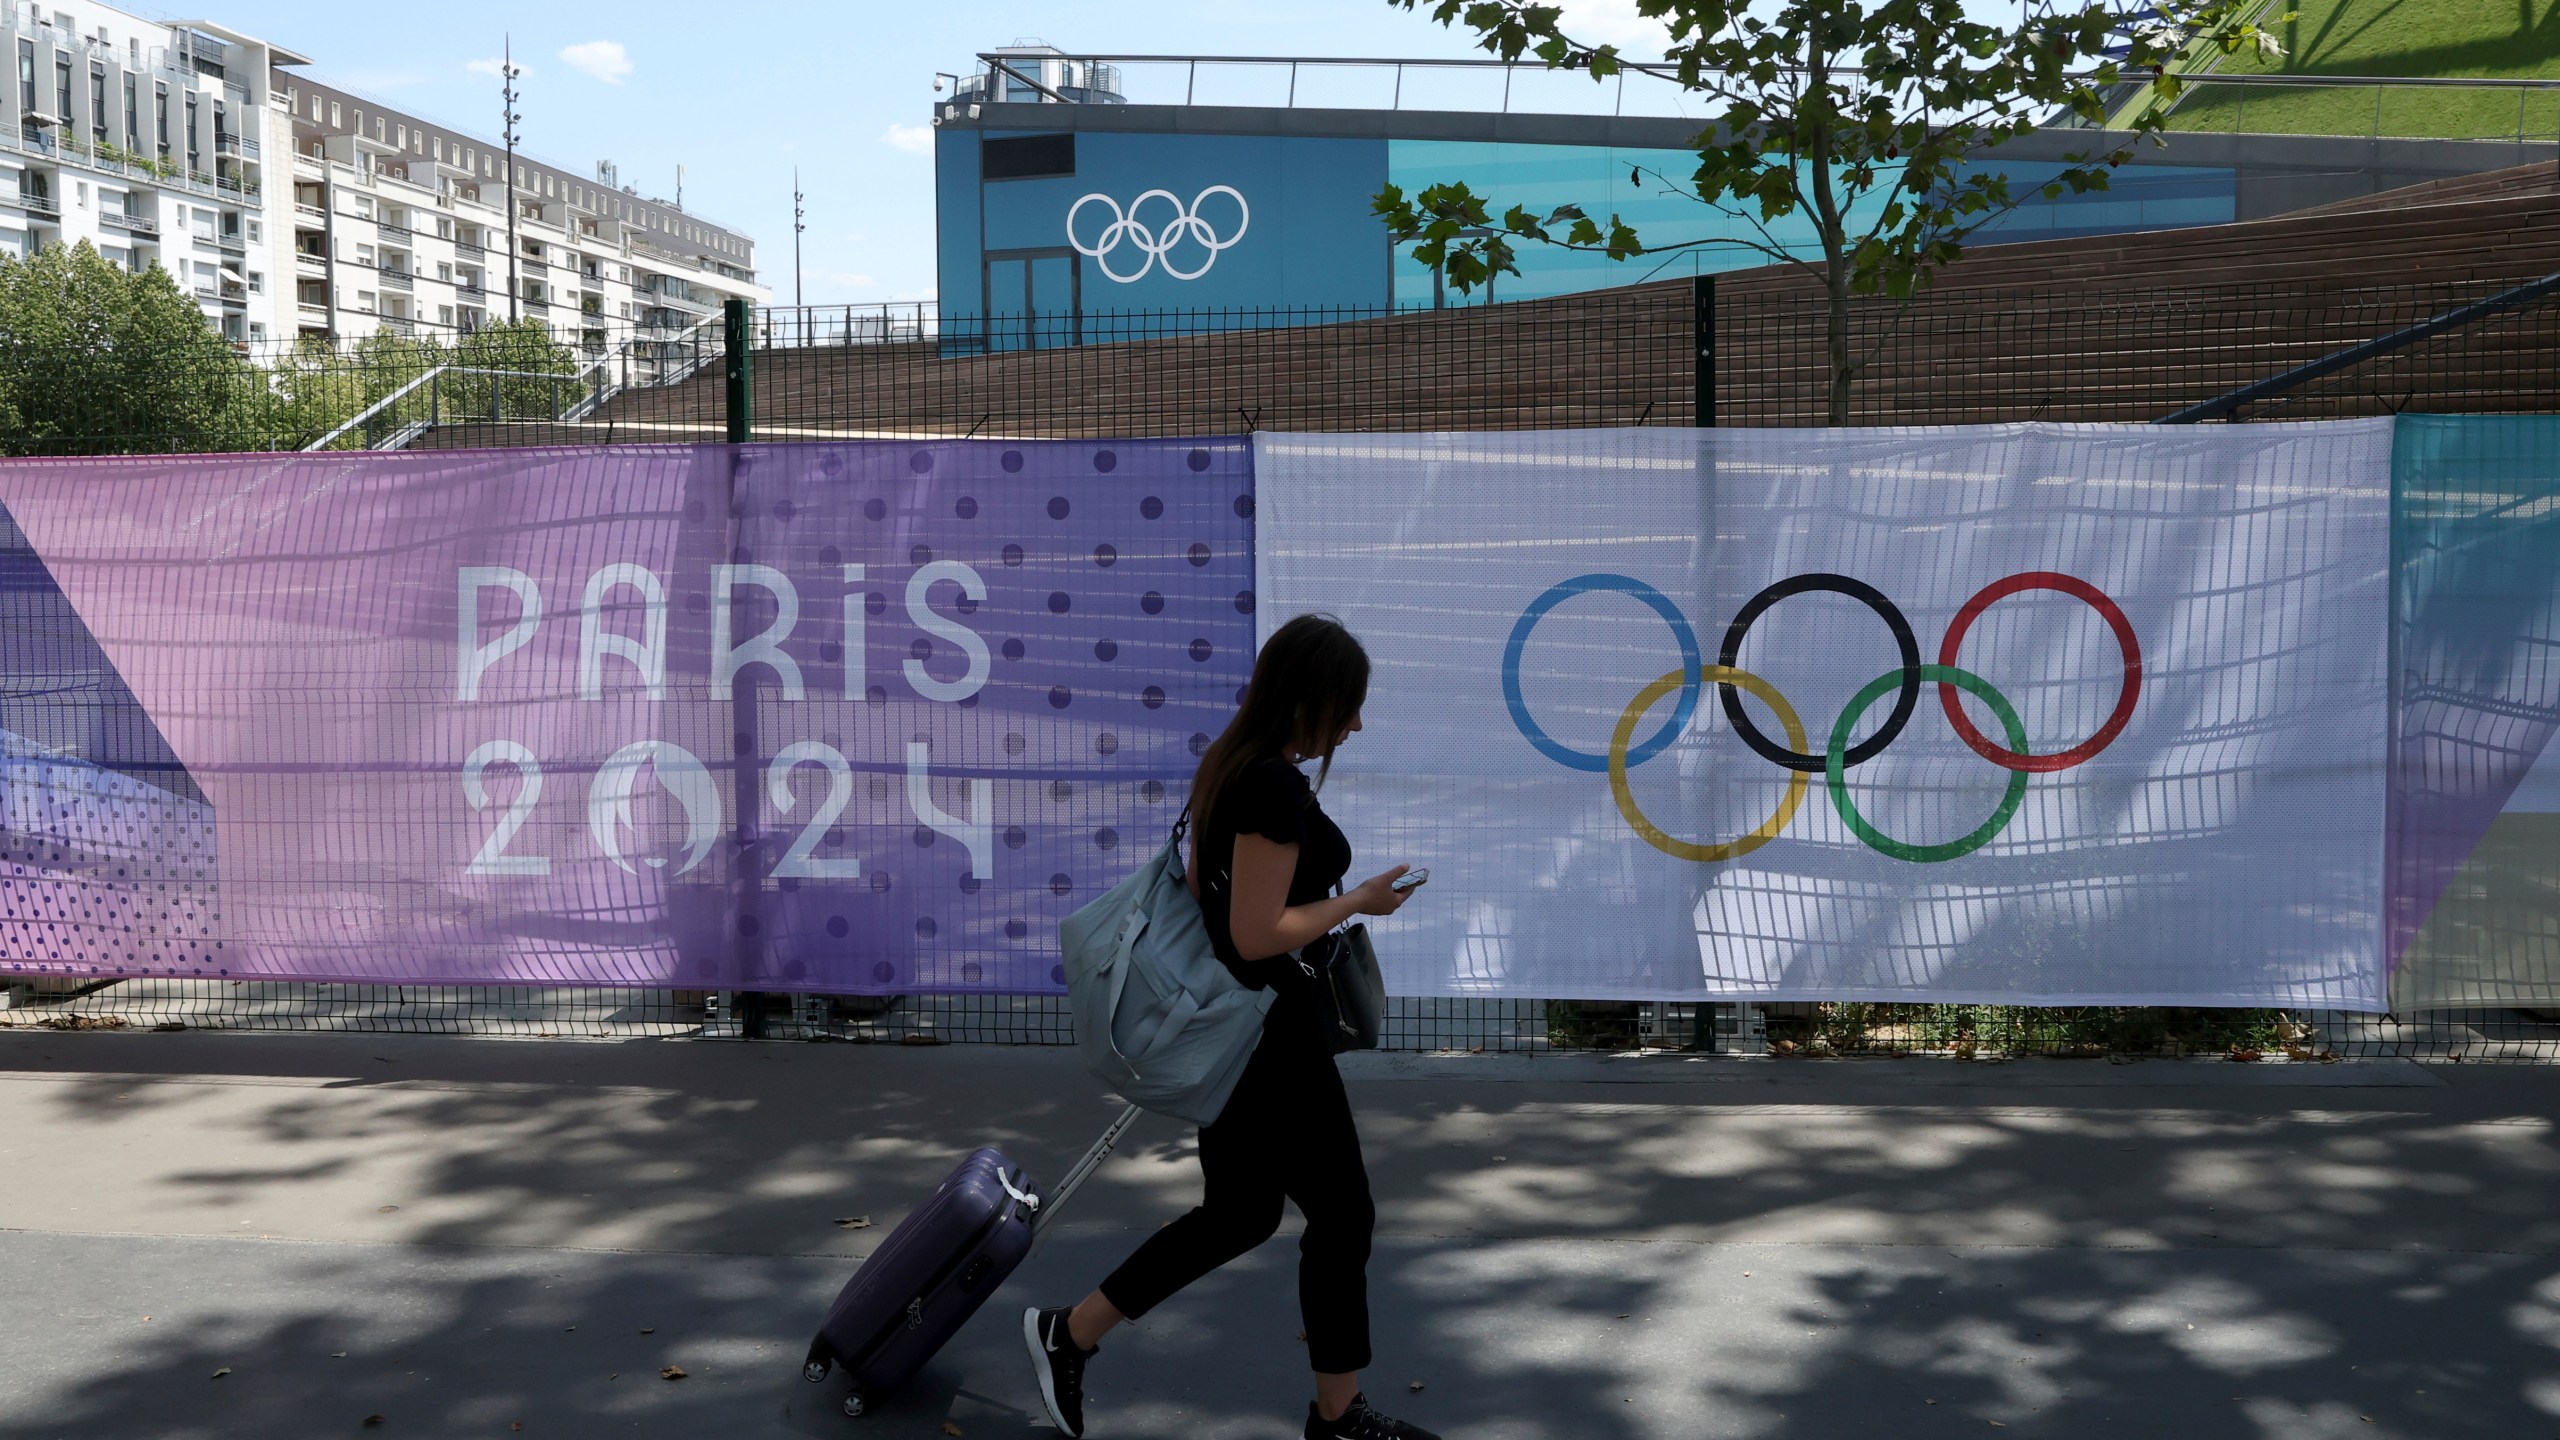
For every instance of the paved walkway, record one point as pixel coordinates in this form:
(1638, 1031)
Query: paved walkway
(460, 1235)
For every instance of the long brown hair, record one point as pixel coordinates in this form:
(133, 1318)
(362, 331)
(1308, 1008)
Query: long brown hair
(1308, 685)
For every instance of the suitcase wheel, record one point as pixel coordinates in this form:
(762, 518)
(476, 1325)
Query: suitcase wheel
(855, 1405)
(815, 1371)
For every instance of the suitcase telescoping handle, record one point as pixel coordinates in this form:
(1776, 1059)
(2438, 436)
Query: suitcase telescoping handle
(1055, 1200)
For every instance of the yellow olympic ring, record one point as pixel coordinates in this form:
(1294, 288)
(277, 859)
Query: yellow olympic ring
(1672, 845)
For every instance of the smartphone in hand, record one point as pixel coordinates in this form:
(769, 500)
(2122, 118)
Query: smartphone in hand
(1410, 880)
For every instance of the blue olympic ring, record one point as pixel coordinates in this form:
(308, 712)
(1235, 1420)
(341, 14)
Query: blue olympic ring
(1692, 664)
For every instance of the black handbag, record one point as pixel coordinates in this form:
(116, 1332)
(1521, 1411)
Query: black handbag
(1350, 993)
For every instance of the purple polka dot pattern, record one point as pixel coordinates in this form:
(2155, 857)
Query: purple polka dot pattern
(1116, 626)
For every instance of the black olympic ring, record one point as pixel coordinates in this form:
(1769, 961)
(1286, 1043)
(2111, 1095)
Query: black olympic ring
(1904, 702)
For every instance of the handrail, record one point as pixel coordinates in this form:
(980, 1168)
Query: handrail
(590, 396)
(2224, 405)
(375, 408)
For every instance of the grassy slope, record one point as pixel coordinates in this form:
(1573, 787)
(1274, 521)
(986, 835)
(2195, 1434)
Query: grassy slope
(2435, 38)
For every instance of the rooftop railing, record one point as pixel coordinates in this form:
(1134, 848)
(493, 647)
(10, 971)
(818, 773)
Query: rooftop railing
(2367, 106)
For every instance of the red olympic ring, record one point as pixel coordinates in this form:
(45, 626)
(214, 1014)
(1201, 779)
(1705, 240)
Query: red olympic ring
(2107, 610)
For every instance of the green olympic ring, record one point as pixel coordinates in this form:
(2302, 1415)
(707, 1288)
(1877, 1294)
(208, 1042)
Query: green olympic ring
(1836, 770)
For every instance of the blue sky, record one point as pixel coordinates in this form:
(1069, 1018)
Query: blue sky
(740, 94)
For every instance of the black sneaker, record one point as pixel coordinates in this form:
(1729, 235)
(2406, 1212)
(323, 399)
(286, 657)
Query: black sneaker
(1060, 1366)
(1362, 1423)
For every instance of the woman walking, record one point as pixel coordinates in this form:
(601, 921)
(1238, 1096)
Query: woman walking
(1264, 862)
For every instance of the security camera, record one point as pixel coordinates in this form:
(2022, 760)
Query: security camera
(937, 84)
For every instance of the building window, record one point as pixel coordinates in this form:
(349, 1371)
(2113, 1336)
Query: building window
(364, 254)
(98, 104)
(26, 77)
(334, 122)
(160, 114)
(364, 301)
(132, 114)
(62, 88)
(1022, 157)
(257, 282)
(193, 153)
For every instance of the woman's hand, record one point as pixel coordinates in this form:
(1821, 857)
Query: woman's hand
(1377, 895)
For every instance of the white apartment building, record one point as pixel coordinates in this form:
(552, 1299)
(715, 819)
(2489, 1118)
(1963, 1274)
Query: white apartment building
(290, 207)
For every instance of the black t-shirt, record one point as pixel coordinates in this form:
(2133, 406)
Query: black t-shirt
(1272, 799)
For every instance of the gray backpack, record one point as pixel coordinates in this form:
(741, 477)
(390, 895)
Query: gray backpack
(1158, 1018)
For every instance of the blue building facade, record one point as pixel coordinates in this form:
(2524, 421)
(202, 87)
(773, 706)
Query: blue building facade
(1078, 224)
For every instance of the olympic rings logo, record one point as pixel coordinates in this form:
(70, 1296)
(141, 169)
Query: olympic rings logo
(1155, 243)
(1837, 755)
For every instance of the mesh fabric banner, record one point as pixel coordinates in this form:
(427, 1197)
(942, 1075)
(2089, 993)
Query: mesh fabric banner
(867, 717)
(2040, 714)
(2476, 823)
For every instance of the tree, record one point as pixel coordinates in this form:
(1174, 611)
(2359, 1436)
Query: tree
(320, 388)
(1859, 114)
(519, 348)
(97, 359)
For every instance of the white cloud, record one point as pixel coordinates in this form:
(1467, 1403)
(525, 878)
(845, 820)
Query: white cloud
(1614, 22)
(492, 66)
(914, 139)
(603, 60)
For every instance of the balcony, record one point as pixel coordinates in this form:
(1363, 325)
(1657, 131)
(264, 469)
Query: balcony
(470, 291)
(311, 259)
(469, 250)
(398, 279)
(537, 306)
(44, 205)
(531, 266)
(234, 145)
(399, 324)
(394, 230)
(129, 224)
(314, 211)
(689, 303)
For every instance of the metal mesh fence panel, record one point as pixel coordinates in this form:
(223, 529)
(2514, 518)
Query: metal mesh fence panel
(1625, 357)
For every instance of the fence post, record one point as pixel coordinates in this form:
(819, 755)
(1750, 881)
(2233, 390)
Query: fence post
(740, 393)
(1702, 308)
(736, 334)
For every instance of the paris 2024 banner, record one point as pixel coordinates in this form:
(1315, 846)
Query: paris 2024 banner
(2041, 714)
(856, 718)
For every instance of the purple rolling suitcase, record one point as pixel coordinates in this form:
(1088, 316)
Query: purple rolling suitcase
(934, 1271)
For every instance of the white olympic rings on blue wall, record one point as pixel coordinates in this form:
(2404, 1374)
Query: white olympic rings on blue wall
(1156, 243)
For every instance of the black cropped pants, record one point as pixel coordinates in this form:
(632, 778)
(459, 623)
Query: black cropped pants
(1286, 1133)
